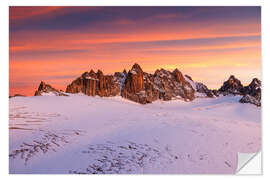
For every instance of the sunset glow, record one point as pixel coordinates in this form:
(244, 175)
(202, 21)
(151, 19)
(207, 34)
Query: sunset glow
(58, 44)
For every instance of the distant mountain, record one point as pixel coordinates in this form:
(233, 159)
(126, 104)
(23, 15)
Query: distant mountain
(201, 89)
(141, 87)
(46, 89)
(135, 85)
(252, 93)
(232, 86)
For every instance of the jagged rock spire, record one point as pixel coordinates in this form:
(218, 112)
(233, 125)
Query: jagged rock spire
(232, 86)
(44, 88)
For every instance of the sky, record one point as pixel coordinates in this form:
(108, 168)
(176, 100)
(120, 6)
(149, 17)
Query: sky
(58, 44)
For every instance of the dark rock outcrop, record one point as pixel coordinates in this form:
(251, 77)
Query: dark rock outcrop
(187, 76)
(250, 99)
(252, 93)
(232, 86)
(145, 88)
(92, 84)
(136, 85)
(201, 88)
(215, 92)
(174, 83)
(46, 88)
(254, 88)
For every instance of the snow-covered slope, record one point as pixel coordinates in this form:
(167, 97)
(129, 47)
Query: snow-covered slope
(192, 83)
(82, 134)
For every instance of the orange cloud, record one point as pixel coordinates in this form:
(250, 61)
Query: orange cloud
(16, 13)
(208, 51)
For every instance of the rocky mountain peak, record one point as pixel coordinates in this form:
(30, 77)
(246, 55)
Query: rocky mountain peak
(92, 71)
(179, 76)
(232, 77)
(124, 72)
(85, 74)
(255, 82)
(100, 74)
(176, 71)
(44, 89)
(201, 89)
(251, 93)
(253, 89)
(250, 99)
(93, 84)
(135, 85)
(232, 86)
(134, 80)
(143, 87)
(234, 81)
(136, 68)
(92, 74)
(187, 76)
(43, 85)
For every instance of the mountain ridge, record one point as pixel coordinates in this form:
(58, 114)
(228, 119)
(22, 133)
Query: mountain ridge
(142, 87)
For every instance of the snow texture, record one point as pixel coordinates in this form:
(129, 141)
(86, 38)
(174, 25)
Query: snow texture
(82, 134)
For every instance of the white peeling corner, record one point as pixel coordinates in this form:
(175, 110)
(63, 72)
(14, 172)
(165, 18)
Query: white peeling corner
(249, 163)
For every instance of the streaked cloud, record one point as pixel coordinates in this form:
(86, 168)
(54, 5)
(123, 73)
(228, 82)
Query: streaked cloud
(57, 43)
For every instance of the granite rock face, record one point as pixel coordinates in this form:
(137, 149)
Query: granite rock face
(145, 88)
(133, 88)
(92, 84)
(173, 84)
(48, 89)
(136, 85)
(250, 99)
(201, 89)
(252, 93)
(254, 88)
(232, 86)
(141, 87)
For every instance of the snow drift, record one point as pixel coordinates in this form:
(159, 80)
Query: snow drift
(95, 135)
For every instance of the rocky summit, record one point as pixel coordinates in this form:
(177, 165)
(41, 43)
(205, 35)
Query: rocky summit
(48, 89)
(201, 89)
(142, 87)
(252, 93)
(135, 85)
(250, 99)
(254, 88)
(92, 84)
(232, 86)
